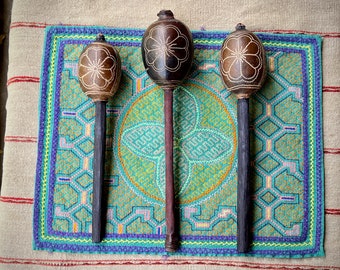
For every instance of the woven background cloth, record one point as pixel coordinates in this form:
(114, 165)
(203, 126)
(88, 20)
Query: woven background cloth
(29, 19)
(287, 153)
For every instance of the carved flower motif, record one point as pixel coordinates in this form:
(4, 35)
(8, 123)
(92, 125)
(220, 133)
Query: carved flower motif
(97, 66)
(166, 49)
(241, 58)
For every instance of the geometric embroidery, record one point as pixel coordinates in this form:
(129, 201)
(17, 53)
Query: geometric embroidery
(286, 152)
(198, 150)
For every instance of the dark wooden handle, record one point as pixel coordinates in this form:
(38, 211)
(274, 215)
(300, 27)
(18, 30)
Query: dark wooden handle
(243, 190)
(98, 169)
(172, 236)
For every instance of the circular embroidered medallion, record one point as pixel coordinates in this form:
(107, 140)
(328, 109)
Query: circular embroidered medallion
(204, 143)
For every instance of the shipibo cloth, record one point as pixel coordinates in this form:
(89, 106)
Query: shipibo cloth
(286, 154)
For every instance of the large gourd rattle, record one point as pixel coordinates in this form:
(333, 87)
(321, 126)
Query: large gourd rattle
(99, 72)
(167, 51)
(243, 69)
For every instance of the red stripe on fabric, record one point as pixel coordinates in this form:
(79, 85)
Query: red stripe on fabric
(22, 139)
(92, 263)
(18, 79)
(331, 89)
(332, 151)
(323, 34)
(332, 212)
(39, 25)
(28, 25)
(17, 200)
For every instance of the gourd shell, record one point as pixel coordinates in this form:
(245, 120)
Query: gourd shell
(243, 63)
(167, 50)
(99, 70)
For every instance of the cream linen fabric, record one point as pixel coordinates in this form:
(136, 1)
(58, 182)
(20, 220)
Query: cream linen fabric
(29, 18)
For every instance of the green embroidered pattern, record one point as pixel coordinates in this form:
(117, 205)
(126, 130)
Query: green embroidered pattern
(285, 154)
(200, 152)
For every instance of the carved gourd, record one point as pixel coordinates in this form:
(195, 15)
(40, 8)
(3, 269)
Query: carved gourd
(242, 62)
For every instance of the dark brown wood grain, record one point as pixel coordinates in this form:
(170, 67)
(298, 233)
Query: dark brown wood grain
(243, 70)
(99, 72)
(172, 235)
(98, 170)
(243, 175)
(167, 51)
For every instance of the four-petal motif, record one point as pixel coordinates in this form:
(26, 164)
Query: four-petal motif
(193, 144)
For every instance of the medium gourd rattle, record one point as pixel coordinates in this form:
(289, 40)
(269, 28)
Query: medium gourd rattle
(99, 72)
(167, 51)
(243, 70)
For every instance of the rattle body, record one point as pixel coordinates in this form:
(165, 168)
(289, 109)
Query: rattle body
(167, 51)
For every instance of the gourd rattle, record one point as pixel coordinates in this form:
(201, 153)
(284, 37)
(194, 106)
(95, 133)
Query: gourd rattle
(243, 70)
(99, 72)
(167, 51)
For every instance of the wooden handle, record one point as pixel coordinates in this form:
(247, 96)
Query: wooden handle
(98, 170)
(243, 172)
(172, 237)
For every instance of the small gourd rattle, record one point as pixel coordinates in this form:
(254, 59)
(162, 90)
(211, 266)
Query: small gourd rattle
(99, 72)
(243, 70)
